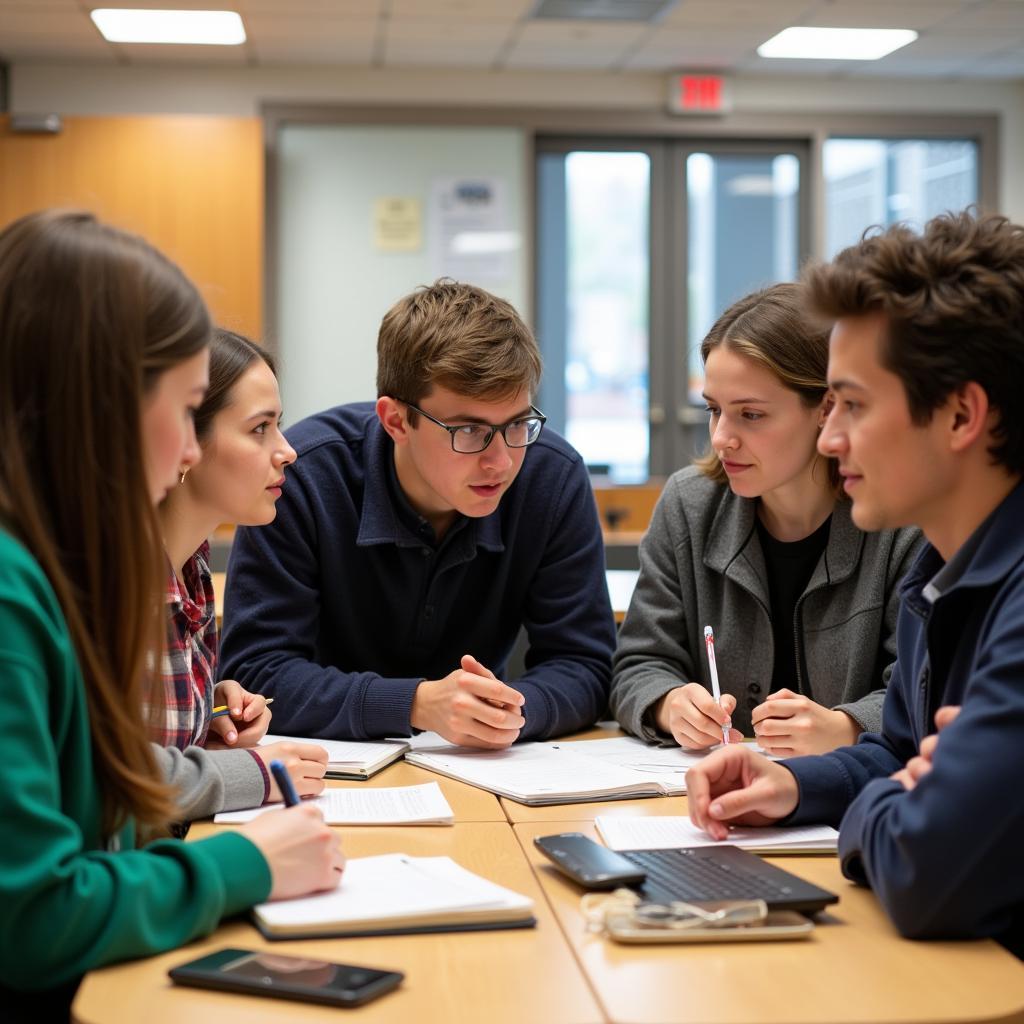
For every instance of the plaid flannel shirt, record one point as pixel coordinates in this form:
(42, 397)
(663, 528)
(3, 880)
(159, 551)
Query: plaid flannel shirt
(190, 655)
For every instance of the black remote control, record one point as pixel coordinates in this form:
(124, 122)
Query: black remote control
(590, 864)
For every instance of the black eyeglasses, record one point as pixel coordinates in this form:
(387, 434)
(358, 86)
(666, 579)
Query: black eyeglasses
(470, 438)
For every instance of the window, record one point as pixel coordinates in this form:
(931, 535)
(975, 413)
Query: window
(872, 182)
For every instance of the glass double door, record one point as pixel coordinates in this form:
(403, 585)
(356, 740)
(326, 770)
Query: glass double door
(640, 246)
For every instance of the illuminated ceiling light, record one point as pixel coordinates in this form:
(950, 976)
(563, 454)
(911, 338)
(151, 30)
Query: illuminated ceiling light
(208, 28)
(806, 43)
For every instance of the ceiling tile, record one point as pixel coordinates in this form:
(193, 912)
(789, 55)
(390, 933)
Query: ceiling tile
(1007, 65)
(501, 10)
(55, 46)
(950, 46)
(857, 14)
(277, 39)
(463, 30)
(987, 16)
(30, 6)
(798, 68)
(48, 32)
(163, 5)
(308, 8)
(41, 21)
(730, 13)
(266, 28)
(409, 55)
(578, 34)
(704, 59)
(160, 53)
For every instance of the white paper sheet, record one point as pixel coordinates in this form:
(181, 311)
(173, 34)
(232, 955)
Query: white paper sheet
(676, 832)
(399, 805)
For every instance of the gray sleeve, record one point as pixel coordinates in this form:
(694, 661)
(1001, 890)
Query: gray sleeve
(209, 781)
(867, 712)
(651, 658)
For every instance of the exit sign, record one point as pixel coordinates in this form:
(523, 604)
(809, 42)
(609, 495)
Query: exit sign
(698, 94)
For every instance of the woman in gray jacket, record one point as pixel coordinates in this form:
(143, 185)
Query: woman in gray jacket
(755, 539)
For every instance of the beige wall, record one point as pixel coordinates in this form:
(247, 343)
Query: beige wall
(92, 89)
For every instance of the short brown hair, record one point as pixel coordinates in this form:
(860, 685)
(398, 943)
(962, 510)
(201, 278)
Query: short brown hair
(953, 299)
(459, 337)
(770, 327)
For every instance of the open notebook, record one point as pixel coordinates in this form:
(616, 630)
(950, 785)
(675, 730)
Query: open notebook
(396, 893)
(351, 759)
(678, 832)
(562, 773)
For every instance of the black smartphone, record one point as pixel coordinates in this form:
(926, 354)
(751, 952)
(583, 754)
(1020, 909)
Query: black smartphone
(286, 977)
(590, 864)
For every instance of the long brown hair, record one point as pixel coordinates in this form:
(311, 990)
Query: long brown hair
(89, 319)
(772, 327)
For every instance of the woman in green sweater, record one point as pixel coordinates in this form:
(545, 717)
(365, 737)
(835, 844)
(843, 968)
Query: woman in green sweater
(103, 358)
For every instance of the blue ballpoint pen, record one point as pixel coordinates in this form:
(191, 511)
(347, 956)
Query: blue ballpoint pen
(284, 783)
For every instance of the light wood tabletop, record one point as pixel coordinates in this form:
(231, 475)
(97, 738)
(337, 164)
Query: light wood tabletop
(853, 969)
(517, 976)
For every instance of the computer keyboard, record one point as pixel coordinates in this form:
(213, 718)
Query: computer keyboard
(722, 873)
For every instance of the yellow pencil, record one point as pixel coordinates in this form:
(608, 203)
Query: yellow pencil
(225, 710)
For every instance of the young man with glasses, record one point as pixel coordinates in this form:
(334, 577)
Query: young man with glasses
(415, 536)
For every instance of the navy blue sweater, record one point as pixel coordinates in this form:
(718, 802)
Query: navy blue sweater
(341, 606)
(945, 857)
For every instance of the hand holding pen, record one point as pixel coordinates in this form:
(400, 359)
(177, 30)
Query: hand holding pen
(696, 718)
(302, 852)
(239, 719)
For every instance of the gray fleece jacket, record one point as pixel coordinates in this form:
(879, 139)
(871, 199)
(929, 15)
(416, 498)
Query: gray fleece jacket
(701, 564)
(209, 781)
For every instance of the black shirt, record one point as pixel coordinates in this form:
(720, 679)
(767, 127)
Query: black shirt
(790, 565)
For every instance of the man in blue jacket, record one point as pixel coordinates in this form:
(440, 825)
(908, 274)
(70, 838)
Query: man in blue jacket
(927, 368)
(415, 536)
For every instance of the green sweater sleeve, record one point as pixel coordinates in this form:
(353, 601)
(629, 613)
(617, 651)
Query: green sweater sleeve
(70, 905)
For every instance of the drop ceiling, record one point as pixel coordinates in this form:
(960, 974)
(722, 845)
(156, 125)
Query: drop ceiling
(976, 39)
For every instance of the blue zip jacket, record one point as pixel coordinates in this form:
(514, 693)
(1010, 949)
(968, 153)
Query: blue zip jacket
(343, 605)
(945, 858)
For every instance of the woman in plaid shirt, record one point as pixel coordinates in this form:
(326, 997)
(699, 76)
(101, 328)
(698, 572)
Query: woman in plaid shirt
(237, 480)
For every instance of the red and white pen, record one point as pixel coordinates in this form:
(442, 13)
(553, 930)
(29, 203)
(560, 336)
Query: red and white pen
(709, 643)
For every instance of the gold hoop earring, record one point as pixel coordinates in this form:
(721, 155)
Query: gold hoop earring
(184, 472)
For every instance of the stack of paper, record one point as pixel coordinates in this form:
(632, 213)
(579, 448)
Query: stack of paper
(396, 892)
(351, 759)
(399, 805)
(678, 832)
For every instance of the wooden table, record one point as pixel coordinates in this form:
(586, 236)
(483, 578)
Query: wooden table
(518, 976)
(854, 968)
